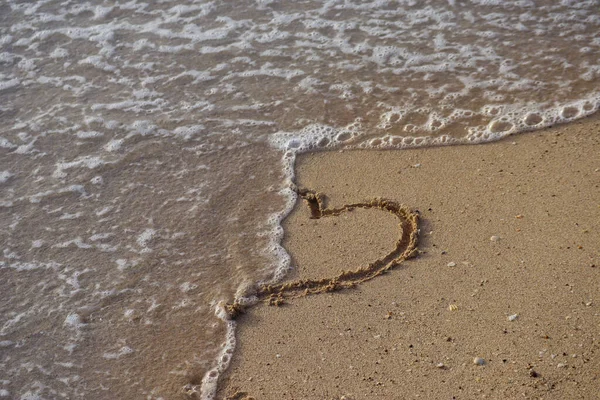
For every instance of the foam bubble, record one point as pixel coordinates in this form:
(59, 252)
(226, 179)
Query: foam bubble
(533, 119)
(314, 136)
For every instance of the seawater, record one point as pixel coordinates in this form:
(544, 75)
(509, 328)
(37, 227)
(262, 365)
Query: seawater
(146, 151)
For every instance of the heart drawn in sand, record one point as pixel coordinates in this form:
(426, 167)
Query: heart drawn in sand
(405, 248)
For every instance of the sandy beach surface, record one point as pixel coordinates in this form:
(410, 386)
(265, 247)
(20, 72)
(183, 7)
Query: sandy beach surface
(508, 272)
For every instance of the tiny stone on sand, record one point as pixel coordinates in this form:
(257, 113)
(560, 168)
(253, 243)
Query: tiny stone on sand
(495, 238)
(452, 264)
(478, 361)
(533, 374)
(512, 317)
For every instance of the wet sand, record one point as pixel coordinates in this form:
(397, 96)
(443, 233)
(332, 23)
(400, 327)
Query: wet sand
(526, 302)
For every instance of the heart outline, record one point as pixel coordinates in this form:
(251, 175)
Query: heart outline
(406, 248)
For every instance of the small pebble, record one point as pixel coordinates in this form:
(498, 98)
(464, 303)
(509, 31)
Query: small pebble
(417, 165)
(533, 373)
(495, 238)
(561, 365)
(440, 366)
(478, 361)
(452, 307)
(452, 264)
(513, 317)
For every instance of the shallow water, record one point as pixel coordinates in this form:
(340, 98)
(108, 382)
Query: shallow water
(146, 149)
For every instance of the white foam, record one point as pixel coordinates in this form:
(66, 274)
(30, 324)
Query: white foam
(26, 64)
(77, 242)
(101, 236)
(71, 215)
(315, 136)
(145, 237)
(187, 286)
(5, 39)
(30, 266)
(31, 396)
(208, 387)
(26, 148)
(73, 321)
(4, 85)
(90, 162)
(6, 144)
(89, 134)
(113, 145)
(187, 132)
(123, 351)
(103, 211)
(5, 176)
(101, 12)
(59, 52)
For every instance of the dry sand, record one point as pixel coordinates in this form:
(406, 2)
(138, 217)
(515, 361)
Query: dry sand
(415, 331)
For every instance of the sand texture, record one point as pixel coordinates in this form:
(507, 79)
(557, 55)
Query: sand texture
(508, 270)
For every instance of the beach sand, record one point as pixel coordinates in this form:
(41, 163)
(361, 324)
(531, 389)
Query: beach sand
(415, 331)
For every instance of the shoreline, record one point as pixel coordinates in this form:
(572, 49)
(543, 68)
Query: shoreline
(417, 330)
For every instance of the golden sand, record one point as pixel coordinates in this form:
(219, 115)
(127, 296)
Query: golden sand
(524, 304)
